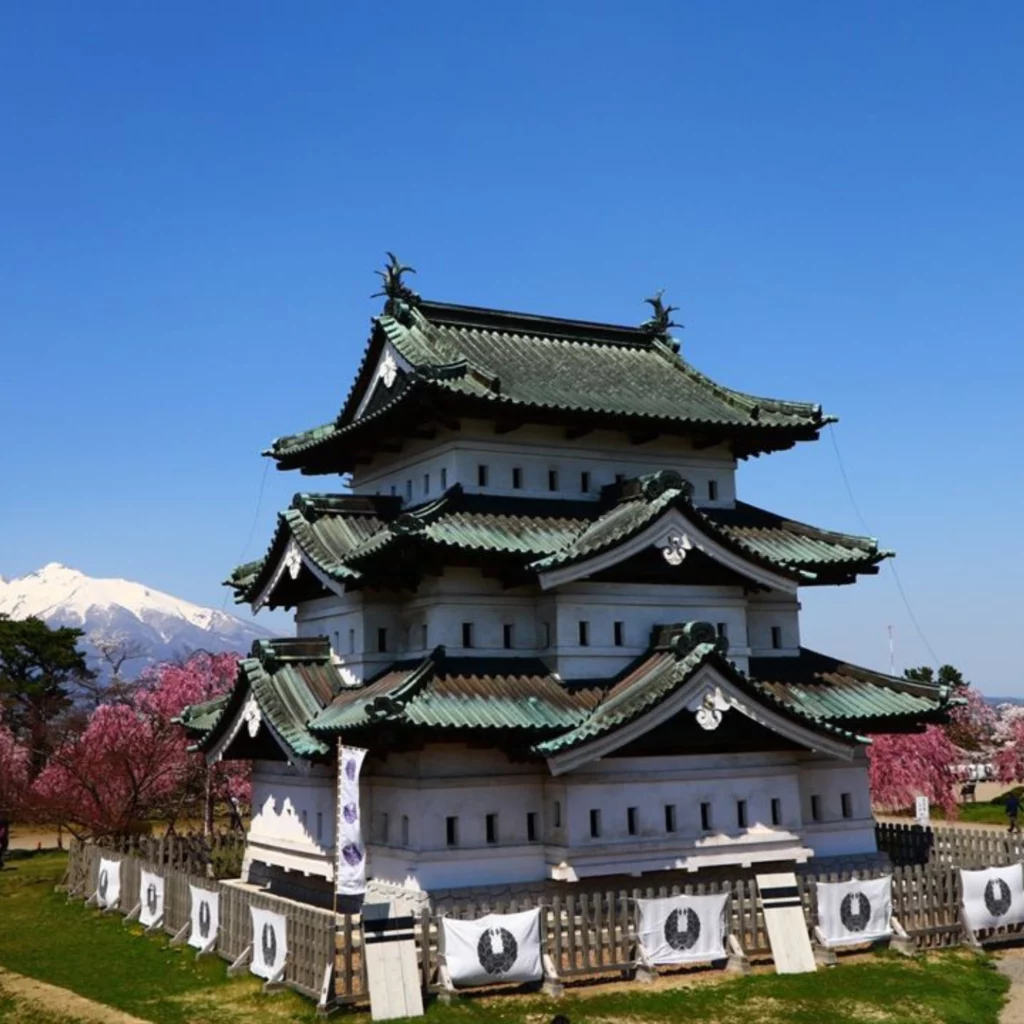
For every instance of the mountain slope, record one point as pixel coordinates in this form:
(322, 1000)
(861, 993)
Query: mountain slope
(160, 626)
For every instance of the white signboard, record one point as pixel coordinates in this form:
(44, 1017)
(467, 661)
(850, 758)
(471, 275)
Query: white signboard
(108, 883)
(269, 943)
(493, 948)
(151, 899)
(921, 810)
(993, 897)
(205, 915)
(855, 911)
(682, 929)
(351, 870)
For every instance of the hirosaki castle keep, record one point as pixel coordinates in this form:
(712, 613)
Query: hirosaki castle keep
(531, 592)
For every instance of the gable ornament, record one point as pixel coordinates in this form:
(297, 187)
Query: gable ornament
(388, 370)
(675, 547)
(709, 707)
(293, 560)
(252, 717)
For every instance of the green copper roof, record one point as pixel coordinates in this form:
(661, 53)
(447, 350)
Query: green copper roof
(460, 693)
(350, 538)
(491, 362)
(303, 697)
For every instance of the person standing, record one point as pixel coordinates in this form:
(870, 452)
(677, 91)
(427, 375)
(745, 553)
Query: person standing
(1012, 810)
(5, 837)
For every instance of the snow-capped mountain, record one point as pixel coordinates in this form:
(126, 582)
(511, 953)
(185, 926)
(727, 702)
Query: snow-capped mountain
(158, 625)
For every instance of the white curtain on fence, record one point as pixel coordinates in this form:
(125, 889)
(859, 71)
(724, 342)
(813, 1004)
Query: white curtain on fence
(269, 942)
(993, 897)
(108, 883)
(493, 948)
(855, 911)
(682, 929)
(151, 898)
(351, 868)
(205, 915)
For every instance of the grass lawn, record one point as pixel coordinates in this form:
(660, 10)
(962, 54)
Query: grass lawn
(66, 945)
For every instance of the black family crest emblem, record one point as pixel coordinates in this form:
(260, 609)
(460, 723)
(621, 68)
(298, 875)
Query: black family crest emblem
(268, 944)
(997, 897)
(497, 950)
(855, 911)
(682, 929)
(204, 919)
(103, 885)
(151, 898)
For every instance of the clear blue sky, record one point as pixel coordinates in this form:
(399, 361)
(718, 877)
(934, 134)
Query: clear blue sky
(193, 198)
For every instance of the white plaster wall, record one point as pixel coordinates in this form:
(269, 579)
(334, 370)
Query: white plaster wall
(765, 610)
(415, 474)
(293, 819)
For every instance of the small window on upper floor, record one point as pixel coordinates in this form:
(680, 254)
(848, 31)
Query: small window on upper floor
(351, 641)
(336, 642)
(451, 828)
(595, 823)
(776, 811)
(467, 634)
(776, 637)
(405, 829)
(426, 483)
(384, 827)
(552, 479)
(408, 490)
(846, 799)
(491, 825)
(705, 817)
(556, 814)
(481, 475)
(507, 636)
(584, 628)
(585, 482)
(444, 478)
(517, 478)
(619, 633)
(722, 628)
(631, 820)
(319, 825)
(394, 489)
(741, 813)
(423, 636)
(531, 826)
(712, 490)
(670, 817)
(815, 807)
(545, 634)
(382, 638)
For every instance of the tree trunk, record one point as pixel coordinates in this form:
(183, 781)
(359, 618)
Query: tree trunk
(208, 805)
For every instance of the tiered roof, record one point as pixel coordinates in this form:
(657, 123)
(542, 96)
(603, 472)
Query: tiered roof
(351, 540)
(307, 702)
(452, 361)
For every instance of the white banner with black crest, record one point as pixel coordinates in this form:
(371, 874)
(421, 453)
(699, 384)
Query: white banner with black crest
(269, 943)
(855, 911)
(493, 948)
(682, 929)
(350, 876)
(205, 916)
(151, 898)
(108, 883)
(993, 897)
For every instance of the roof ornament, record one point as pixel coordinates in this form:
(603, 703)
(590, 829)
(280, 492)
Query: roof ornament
(675, 547)
(393, 289)
(661, 320)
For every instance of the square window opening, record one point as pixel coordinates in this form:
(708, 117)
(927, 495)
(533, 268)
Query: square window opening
(444, 478)
(481, 476)
(705, 817)
(517, 479)
(531, 826)
(452, 831)
(405, 829)
(584, 627)
(595, 823)
(670, 817)
(408, 490)
(467, 634)
(507, 636)
(491, 825)
(712, 490)
(546, 634)
(423, 636)
(847, 802)
(815, 807)
(351, 641)
(319, 825)
(552, 479)
(382, 639)
(776, 638)
(722, 628)
(631, 819)
(585, 482)
(776, 811)
(556, 814)
(426, 483)
(384, 827)
(619, 632)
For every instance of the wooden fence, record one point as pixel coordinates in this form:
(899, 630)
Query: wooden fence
(191, 852)
(959, 847)
(587, 932)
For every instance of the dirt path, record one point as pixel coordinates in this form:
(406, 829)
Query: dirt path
(61, 1001)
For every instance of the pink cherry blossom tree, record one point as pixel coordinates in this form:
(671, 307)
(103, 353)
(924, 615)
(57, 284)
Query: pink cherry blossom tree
(15, 761)
(131, 763)
(903, 767)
